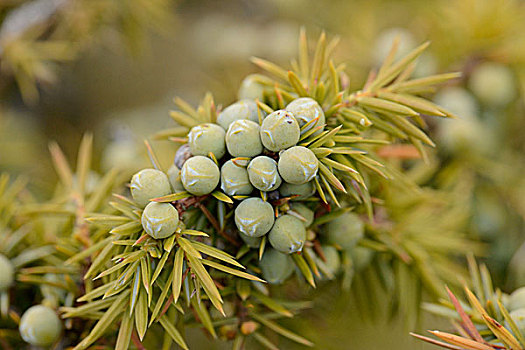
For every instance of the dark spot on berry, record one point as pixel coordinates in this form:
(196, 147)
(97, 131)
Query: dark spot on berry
(182, 154)
(273, 195)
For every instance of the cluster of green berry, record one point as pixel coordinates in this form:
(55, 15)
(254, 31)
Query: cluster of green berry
(244, 156)
(253, 157)
(265, 156)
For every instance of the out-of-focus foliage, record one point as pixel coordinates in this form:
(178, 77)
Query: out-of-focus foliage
(488, 319)
(36, 35)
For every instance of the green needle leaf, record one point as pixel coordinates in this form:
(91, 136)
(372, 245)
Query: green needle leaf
(173, 332)
(296, 84)
(194, 233)
(222, 197)
(282, 331)
(207, 282)
(188, 247)
(264, 341)
(124, 334)
(172, 197)
(270, 67)
(380, 105)
(165, 288)
(232, 271)
(303, 267)
(141, 314)
(204, 316)
(216, 253)
(178, 267)
(105, 321)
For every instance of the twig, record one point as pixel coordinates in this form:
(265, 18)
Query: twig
(136, 341)
(216, 225)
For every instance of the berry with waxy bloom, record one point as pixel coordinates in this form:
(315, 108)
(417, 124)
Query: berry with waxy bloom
(243, 140)
(287, 234)
(254, 217)
(235, 180)
(200, 175)
(279, 130)
(276, 267)
(306, 109)
(40, 326)
(207, 138)
(298, 165)
(160, 220)
(243, 109)
(263, 173)
(148, 184)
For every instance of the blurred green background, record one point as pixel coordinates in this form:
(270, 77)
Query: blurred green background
(124, 72)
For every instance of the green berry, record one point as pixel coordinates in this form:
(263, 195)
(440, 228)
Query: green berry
(306, 213)
(361, 257)
(40, 326)
(518, 316)
(517, 299)
(244, 109)
(252, 88)
(505, 300)
(279, 130)
(200, 175)
(466, 132)
(276, 267)
(252, 242)
(459, 101)
(298, 165)
(345, 230)
(182, 155)
(243, 140)
(493, 84)
(516, 267)
(302, 191)
(207, 138)
(160, 220)
(333, 261)
(175, 180)
(263, 173)
(7, 273)
(148, 184)
(489, 217)
(235, 180)
(254, 217)
(306, 109)
(287, 234)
